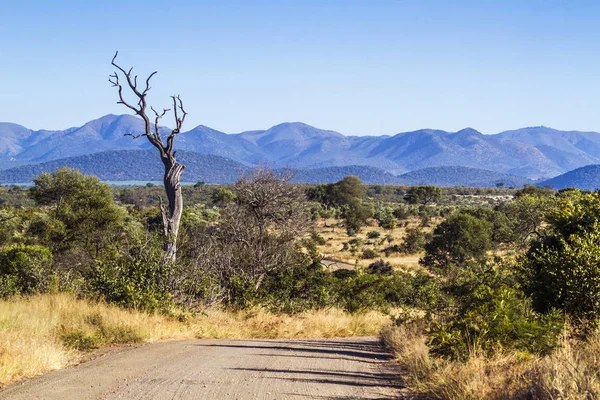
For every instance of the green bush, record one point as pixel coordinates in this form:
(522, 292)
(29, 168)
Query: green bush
(25, 269)
(9, 286)
(456, 241)
(562, 269)
(318, 239)
(136, 279)
(78, 340)
(500, 319)
(373, 234)
(565, 273)
(298, 289)
(380, 267)
(414, 241)
(344, 273)
(385, 218)
(381, 292)
(369, 254)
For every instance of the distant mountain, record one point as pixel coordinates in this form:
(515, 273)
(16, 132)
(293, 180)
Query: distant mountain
(135, 165)
(535, 153)
(370, 175)
(567, 149)
(585, 178)
(461, 176)
(145, 165)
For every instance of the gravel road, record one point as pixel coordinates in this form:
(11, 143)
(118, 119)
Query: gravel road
(352, 368)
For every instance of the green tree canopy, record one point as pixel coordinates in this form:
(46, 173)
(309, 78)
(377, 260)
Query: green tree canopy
(459, 239)
(562, 268)
(423, 195)
(81, 203)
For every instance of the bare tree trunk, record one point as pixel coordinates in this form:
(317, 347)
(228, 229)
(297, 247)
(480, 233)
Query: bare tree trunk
(172, 216)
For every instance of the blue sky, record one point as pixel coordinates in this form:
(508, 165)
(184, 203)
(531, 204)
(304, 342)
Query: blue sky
(358, 67)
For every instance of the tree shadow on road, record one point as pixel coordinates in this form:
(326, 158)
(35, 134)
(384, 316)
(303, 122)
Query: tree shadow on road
(369, 351)
(364, 350)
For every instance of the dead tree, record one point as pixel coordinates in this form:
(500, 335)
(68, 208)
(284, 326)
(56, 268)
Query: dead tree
(171, 216)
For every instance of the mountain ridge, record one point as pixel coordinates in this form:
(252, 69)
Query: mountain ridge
(144, 165)
(585, 178)
(532, 152)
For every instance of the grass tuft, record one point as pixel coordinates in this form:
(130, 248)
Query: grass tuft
(571, 372)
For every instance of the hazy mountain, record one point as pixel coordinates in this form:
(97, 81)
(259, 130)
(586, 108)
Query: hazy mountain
(535, 153)
(106, 133)
(567, 149)
(587, 178)
(144, 165)
(135, 165)
(461, 176)
(370, 175)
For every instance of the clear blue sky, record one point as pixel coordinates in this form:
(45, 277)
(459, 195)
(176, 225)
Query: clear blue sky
(358, 67)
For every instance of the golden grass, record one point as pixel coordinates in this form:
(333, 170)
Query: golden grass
(47, 332)
(570, 372)
(335, 236)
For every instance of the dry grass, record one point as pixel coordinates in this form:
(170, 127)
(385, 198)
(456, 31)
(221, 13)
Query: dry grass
(265, 325)
(571, 372)
(47, 332)
(335, 236)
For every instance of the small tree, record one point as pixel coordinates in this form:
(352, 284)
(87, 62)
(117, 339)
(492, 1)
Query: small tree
(423, 195)
(171, 216)
(562, 269)
(457, 240)
(82, 209)
(261, 231)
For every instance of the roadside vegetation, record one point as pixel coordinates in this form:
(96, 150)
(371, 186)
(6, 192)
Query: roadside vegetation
(43, 332)
(480, 293)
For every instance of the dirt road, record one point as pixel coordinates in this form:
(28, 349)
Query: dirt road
(353, 368)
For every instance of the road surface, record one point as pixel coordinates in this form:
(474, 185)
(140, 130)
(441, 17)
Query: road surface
(351, 368)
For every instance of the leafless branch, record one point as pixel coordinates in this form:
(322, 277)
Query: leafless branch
(151, 132)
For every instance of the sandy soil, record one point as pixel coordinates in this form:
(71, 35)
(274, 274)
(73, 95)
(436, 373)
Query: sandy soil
(352, 368)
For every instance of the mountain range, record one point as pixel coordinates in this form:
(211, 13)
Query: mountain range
(585, 178)
(144, 165)
(523, 154)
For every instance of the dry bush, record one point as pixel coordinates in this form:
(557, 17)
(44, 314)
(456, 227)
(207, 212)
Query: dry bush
(571, 372)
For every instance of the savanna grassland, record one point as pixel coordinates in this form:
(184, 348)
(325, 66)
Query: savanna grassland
(480, 293)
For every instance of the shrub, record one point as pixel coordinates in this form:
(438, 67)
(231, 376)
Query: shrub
(458, 240)
(385, 218)
(356, 241)
(25, 269)
(9, 286)
(344, 273)
(565, 274)
(502, 320)
(401, 212)
(414, 241)
(78, 340)
(369, 254)
(318, 239)
(380, 292)
(373, 234)
(562, 270)
(137, 279)
(380, 267)
(299, 289)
